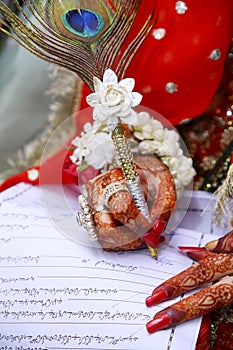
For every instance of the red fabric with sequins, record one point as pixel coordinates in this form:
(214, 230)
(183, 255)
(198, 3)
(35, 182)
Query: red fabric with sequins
(187, 55)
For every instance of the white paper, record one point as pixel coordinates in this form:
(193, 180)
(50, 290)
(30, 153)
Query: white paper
(56, 294)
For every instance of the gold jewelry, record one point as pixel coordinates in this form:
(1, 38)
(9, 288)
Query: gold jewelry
(129, 170)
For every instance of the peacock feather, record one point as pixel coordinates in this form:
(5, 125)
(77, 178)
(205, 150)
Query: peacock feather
(84, 36)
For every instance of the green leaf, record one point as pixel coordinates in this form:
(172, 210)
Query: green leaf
(82, 167)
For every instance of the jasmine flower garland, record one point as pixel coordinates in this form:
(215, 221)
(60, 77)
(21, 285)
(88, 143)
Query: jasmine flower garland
(95, 148)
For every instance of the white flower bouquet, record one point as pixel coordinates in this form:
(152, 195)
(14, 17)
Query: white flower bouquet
(119, 209)
(94, 147)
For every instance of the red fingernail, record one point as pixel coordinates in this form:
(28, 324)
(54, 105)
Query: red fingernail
(162, 239)
(157, 297)
(195, 253)
(159, 227)
(161, 322)
(150, 239)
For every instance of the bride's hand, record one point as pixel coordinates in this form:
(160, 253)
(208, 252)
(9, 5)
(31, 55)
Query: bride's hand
(118, 223)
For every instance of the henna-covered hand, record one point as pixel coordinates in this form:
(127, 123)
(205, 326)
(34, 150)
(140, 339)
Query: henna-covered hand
(215, 263)
(119, 224)
(196, 305)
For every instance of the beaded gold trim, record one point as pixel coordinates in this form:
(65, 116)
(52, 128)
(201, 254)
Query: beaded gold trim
(129, 170)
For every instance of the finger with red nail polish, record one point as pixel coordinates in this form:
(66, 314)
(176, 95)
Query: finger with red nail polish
(194, 253)
(221, 245)
(196, 305)
(209, 269)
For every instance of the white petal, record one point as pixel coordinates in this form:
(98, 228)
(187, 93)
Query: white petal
(98, 85)
(136, 99)
(109, 77)
(159, 134)
(156, 124)
(124, 112)
(113, 109)
(112, 98)
(112, 123)
(146, 147)
(98, 114)
(131, 119)
(75, 156)
(93, 99)
(76, 141)
(143, 117)
(127, 83)
(87, 126)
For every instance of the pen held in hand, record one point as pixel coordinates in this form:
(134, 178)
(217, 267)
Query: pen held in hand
(196, 305)
(209, 269)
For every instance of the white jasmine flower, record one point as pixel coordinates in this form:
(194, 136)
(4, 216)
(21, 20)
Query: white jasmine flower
(75, 157)
(185, 170)
(170, 144)
(101, 150)
(113, 101)
(81, 150)
(148, 128)
(93, 147)
(181, 170)
(149, 146)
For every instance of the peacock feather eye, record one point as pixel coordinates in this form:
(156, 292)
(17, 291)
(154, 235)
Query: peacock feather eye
(83, 22)
(77, 34)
